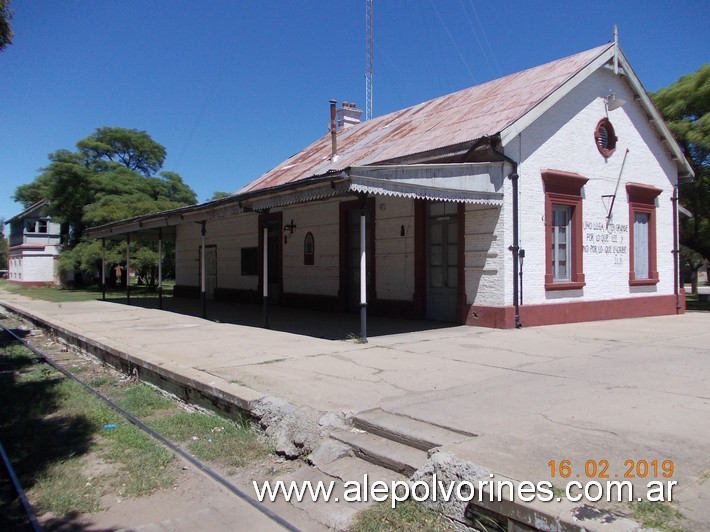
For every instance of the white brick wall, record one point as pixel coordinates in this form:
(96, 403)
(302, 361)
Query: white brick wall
(484, 255)
(395, 253)
(229, 235)
(563, 140)
(322, 220)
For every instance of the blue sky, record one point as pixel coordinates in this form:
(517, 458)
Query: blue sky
(231, 88)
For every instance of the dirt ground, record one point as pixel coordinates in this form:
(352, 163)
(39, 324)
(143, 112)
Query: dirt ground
(193, 495)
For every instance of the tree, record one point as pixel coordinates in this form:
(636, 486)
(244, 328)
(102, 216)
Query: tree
(134, 149)
(113, 175)
(3, 246)
(685, 106)
(220, 195)
(5, 29)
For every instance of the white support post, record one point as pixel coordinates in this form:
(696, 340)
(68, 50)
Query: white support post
(265, 274)
(103, 269)
(203, 271)
(160, 268)
(128, 268)
(363, 277)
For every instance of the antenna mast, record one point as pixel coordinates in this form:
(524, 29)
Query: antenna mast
(368, 59)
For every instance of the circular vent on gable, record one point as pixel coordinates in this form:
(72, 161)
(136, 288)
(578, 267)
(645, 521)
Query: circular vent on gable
(605, 138)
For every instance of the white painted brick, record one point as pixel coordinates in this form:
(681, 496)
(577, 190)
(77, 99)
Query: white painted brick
(563, 140)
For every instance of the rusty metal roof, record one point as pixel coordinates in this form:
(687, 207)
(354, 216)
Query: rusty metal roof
(451, 120)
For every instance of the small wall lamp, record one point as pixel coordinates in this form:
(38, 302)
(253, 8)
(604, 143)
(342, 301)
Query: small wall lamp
(612, 102)
(288, 228)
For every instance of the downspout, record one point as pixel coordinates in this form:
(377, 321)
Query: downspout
(676, 252)
(515, 248)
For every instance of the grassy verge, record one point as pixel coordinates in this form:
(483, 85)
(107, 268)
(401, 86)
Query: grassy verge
(693, 302)
(408, 515)
(70, 449)
(71, 295)
(657, 516)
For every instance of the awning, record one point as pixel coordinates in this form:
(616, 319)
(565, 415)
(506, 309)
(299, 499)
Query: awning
(476, 183)
(384, 187)
(464, 182)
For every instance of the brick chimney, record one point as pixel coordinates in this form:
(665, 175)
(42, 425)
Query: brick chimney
(348, 115)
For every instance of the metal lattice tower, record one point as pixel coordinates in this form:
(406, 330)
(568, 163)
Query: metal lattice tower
(368, 59)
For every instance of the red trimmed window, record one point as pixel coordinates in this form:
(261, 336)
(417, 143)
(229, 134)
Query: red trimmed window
(563, 230)
(643, 269)
(309, 249)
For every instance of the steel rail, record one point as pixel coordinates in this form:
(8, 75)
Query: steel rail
(138, 423)
(20, 492)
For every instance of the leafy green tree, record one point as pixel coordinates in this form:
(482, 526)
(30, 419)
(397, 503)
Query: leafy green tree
(220, 195)
(685, 106)
(114, 174)
(134, 149)
(3, 246)
(5, 29)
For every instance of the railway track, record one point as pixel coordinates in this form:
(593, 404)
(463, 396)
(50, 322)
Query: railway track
(210, 473)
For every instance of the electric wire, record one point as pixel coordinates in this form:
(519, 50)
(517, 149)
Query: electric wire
(485, 38)
(453, 41)
(199, 465)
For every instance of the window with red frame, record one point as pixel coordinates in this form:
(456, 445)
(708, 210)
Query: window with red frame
(643, 269)
(563, 230)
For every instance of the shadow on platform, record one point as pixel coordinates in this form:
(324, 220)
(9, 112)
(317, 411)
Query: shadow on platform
(296, 320)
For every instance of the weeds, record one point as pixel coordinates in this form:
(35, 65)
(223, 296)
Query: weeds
(408, 515)
(213, 438)
(658, 516)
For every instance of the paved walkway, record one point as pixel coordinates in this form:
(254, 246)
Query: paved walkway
(615, 390)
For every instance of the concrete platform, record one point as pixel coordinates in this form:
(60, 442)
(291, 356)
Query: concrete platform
(616, 390)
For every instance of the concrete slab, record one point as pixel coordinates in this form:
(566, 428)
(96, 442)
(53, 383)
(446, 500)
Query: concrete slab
(386, 453)
(617, 390)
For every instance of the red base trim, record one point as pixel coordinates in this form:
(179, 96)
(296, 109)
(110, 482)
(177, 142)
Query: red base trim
(495, 317)
(575, 311)
(32, 284)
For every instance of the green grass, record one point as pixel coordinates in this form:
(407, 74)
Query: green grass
(213, 438)
(143, 463)
(70, 449)
(63, 489)
(73, 295)
(142, 400)
(408, 515)
(658, 516)
(51, 425)
(692, 302)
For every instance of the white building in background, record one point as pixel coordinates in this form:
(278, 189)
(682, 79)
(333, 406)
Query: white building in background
(33, 247)
(547, 196)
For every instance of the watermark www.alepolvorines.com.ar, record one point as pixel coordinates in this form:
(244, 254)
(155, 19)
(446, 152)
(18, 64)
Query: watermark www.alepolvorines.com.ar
(435, 490)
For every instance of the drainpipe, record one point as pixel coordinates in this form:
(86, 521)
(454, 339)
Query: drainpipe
(676, 252)
(333, 131)
(515, 248)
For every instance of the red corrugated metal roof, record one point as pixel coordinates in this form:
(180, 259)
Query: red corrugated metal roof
(464, 116)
